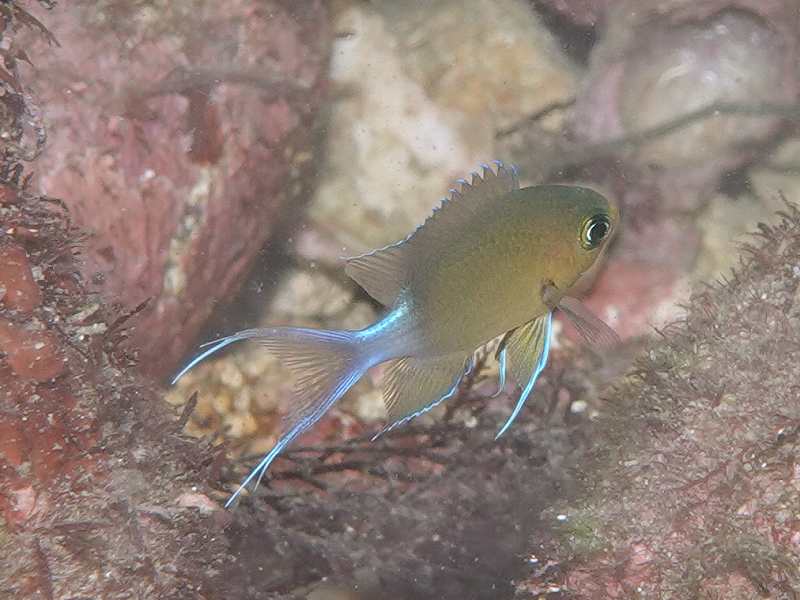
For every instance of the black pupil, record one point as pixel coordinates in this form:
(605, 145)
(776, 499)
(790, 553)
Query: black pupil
(597, 231)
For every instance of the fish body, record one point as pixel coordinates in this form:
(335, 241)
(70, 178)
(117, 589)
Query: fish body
(483, 277)
(493, 259)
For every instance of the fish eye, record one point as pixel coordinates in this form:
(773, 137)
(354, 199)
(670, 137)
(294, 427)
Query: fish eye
(595, 229)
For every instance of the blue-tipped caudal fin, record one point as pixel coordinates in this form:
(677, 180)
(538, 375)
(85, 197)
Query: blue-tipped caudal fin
(527, 349)
(325, 364)
(213, 347)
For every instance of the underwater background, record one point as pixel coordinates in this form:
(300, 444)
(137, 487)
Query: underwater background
(172, 172)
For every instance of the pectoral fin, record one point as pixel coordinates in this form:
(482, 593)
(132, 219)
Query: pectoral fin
(413, 386)
(597, 334)
(527, 348)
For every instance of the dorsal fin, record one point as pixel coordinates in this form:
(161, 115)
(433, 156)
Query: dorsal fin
(381, 272)
(384, 272)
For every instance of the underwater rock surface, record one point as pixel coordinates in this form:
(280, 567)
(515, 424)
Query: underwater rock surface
(101, 496)
(95, 476)
(644, 128)
(181, 136)
(423, 87)
(700, 444)
(580, 12)
(658, 61)
(692, 489)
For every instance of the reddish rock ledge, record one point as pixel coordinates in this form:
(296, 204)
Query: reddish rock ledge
(180, 137)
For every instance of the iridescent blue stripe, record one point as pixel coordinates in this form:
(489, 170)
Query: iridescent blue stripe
(536, 372)
(501, 380)
(258, 471)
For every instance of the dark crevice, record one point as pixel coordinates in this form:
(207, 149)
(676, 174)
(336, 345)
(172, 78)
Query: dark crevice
(575, 40)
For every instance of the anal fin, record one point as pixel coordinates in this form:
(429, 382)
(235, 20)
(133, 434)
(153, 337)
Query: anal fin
(413, 386)
(527, 348)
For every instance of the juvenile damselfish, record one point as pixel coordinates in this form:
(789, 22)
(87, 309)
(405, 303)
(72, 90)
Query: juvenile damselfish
(492, 260)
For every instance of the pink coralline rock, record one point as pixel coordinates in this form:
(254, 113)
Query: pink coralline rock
(647, 274)
(690, 489)
(18, 290)
(643, 130)
(179, 135)
(30, 354)
(658, 60)
(635, 297)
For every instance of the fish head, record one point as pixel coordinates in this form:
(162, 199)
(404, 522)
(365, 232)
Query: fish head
(580, 224)
(597, 219)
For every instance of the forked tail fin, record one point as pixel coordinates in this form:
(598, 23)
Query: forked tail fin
(325, 364)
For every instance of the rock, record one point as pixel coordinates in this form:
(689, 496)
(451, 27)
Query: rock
(583, 13)
(653, 63)
(635, 297)
(18, 290)
(731, 58)
(31, 354)
(725, 224)
(424, 86)
(179, 135)
(657, 61)
(778, 175)
(8, 195)
(696, 449)
(96, 440)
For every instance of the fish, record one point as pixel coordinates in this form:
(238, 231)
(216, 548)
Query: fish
(494, 259)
